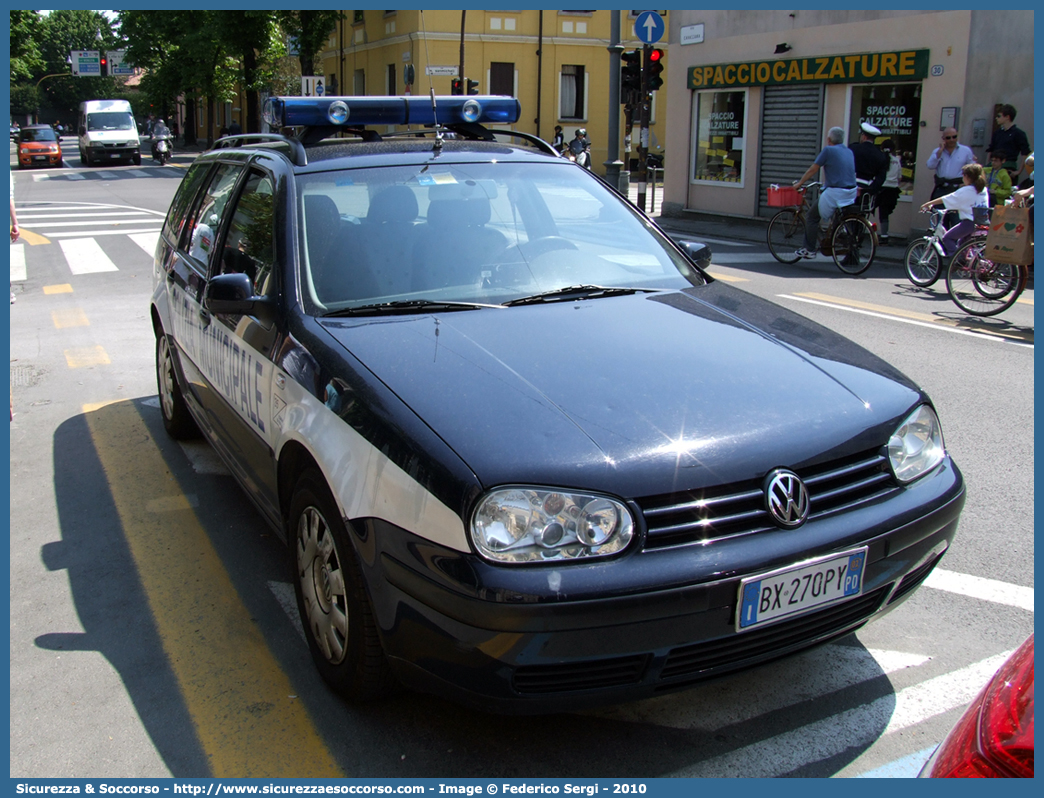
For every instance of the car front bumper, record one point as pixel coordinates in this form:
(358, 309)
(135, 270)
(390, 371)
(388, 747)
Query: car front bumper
(567, 636)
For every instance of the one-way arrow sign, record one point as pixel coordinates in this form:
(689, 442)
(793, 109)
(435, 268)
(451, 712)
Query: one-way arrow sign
(649, 27)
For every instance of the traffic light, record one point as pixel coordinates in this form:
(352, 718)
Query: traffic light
(457, 86)
(472, 86)
(631, 72)
(655, 67)
(103, 65)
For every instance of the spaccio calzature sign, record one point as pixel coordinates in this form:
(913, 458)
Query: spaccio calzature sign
(860, 68)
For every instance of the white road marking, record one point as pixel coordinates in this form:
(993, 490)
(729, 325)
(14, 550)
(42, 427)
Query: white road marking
(82, 233)
(121, 219)
(75, 176)
(18, 273)
(790, 682)
(853, 728)
(84, 256)
(980, 588)
(888, 317)
(39, 214)
(147, 241)
(284, 594)
(106, 175)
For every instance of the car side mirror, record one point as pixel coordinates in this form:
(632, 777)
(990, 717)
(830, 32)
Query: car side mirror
(233, 294)
(697, 252)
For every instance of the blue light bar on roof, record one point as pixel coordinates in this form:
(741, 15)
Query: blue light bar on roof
(360, 111)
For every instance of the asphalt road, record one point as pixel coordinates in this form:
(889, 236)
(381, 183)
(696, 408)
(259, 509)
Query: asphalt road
(153, 631)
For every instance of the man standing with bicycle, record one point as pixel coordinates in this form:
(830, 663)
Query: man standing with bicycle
(839, 187)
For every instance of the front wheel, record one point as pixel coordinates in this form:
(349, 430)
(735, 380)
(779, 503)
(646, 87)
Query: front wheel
(177, 420)
(854, 245)
(979, 286)
(785, 235)
(331, 595)
(923, 266)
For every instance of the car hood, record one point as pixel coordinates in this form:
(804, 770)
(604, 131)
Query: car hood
(635, 395)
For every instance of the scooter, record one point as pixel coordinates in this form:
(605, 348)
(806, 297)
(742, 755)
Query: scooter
(163, 149)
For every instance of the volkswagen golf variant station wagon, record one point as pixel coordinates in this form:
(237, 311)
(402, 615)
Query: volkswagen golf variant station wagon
(524, 451)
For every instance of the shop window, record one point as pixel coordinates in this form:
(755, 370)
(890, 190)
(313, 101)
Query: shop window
(895, 108)
(720, 126)
(572, 101)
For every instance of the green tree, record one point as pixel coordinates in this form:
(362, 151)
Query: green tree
(25, 52)
(310, 29)
(58, 34)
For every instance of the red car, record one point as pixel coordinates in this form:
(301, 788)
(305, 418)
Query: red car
(38, 145)
(994, 737)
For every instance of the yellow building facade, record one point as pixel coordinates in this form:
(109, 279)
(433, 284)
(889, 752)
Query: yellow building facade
(555, 62)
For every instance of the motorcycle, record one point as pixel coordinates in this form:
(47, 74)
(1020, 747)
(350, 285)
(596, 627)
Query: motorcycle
(163, 149)
(583, 157)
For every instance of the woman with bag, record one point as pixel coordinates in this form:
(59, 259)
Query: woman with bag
(969, 196)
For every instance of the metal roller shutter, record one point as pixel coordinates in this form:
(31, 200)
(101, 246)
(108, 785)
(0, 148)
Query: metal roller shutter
(791, 136)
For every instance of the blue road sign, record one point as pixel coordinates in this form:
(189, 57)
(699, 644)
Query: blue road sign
(649, 27)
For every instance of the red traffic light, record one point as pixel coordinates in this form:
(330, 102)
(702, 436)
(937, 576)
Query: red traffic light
(656, 55)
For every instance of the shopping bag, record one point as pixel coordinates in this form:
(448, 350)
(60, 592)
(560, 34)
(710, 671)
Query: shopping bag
(1009, 238)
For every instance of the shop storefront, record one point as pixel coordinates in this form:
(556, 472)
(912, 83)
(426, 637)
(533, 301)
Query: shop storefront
(882, 88)
(750, 109)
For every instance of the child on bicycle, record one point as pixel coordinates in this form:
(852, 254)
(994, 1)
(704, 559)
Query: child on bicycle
(971, 195)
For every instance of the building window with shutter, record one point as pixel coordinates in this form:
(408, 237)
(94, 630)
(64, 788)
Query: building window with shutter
(572, 101)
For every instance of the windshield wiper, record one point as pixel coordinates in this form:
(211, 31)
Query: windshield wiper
(578, 292)
(407, 306)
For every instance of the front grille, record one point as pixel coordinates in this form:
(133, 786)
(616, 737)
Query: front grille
(698, 516)
(699, 659)
(586, 675)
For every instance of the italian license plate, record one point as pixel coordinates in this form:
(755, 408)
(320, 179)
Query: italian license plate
(114, 155)
(797, 588)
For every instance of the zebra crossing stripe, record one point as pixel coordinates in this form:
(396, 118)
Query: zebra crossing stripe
(147, 241)
(82, 233)
(85, 256)
(18, 273)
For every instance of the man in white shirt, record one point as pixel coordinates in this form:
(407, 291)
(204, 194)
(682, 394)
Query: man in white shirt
(947, 161)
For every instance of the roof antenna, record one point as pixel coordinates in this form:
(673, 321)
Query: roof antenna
(431, 90)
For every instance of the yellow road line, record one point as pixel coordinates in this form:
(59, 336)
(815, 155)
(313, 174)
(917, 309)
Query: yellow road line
(69, 317)
(728, 278)
(81, 357)
(31, 238)
(242, 704)
(64, 288)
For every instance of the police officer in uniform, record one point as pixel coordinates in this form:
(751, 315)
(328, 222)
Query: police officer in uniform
(871, 164)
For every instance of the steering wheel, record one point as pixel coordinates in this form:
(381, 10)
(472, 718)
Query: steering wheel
(541, 246)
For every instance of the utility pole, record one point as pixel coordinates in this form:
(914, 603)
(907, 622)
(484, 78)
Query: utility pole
(460, 69)
(643, 136)
(613, 164)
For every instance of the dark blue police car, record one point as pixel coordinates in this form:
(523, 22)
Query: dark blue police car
(524, 451)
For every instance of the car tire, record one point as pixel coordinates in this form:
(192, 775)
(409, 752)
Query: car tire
(137, 159)
(331, 595)
(177, 420)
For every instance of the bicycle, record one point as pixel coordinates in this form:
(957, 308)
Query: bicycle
(980, 286)
(850, 238)
(925, 256)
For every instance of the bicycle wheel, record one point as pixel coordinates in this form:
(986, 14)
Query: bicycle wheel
(922, 262)
(854, 245)
(785, 234)
(979, 286)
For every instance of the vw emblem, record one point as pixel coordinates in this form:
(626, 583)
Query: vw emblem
(786, 498)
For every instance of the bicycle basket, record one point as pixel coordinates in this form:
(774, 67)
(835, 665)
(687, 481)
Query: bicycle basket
(867, 202)
(981, 215)
(783, 196)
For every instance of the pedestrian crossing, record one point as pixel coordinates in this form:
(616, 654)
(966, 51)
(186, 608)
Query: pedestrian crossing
(60, 175)
(78, 229)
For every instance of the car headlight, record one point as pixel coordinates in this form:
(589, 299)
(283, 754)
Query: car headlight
(24, 150)
(916, 447)
(533, 525)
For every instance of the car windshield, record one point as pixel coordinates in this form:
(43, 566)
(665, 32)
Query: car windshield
(110, 120)
(480, 233)
(38, 134)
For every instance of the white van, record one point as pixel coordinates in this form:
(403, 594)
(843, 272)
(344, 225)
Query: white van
(107, 132)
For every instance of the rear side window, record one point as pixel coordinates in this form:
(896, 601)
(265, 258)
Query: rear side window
(249, 244)
(175, 221)
(200, 233)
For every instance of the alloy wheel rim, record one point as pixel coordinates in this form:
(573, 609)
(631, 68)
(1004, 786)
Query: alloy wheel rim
(321, 579)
